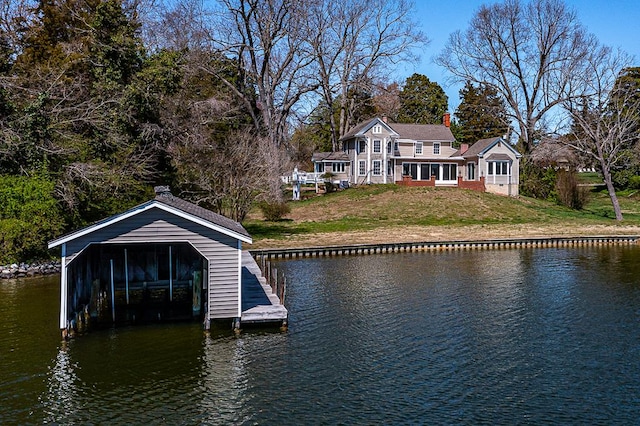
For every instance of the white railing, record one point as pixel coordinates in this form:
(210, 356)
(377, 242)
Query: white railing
(304, 177)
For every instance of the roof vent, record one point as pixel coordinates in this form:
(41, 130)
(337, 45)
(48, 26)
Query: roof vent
(162, 190)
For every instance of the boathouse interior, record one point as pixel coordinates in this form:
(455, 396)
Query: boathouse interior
(139, 282)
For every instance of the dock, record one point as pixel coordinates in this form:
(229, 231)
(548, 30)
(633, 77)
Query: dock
(259, 303)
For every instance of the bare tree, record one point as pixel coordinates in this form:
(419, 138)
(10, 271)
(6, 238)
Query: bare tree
(228, 177)
(605, 115)
(352, 41)
(265, 36)
(387, 100)
(532, 53)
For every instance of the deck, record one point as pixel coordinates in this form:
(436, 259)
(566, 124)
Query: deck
(259, 304)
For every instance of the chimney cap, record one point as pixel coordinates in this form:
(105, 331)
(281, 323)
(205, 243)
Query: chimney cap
(162, 190)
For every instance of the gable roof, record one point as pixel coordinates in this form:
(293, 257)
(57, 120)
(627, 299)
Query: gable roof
(424, 132)
(330, 156)
(418, 132)
(479, 148)
(173, 205)
(360, 129)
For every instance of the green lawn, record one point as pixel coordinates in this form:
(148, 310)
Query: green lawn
(381, 207)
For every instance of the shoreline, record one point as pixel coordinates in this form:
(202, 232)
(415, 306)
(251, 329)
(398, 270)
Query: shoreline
(30, 269)
(494, 244)
(443, 234)
(389, 236)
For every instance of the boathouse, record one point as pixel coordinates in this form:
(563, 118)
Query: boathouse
(163, 259)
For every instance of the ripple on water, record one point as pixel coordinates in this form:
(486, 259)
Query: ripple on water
(504, 336)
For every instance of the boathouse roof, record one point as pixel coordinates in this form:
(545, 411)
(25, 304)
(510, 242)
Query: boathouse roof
(164, 200)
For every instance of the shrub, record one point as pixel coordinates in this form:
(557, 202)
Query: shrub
(328, 182)
(274, 211)
(634, 182)
(537, 181)
(29, 217)
(568, 192)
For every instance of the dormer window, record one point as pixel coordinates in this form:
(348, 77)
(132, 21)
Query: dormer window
(377, 129)
(436, 148)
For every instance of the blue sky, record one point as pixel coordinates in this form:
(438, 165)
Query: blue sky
(615, 22)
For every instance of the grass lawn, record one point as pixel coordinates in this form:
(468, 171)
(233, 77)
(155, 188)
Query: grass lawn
(392, 213)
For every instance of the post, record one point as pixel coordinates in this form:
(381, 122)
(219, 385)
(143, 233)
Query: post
(295, 185)
(63, 289)
(113, 295)
(170, 276)
(274, 284)
(126, 275)
(284, 291)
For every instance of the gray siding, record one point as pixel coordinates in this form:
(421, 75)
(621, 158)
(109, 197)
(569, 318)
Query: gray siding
(157, 226)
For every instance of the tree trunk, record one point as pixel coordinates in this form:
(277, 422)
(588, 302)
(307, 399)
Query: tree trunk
(606, 174)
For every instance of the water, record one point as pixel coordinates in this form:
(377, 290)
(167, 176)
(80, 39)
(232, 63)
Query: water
(506, 336)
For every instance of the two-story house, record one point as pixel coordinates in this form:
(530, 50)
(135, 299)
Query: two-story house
(376, 151)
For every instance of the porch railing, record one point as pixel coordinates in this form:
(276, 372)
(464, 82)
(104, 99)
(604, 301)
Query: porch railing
(304, 177)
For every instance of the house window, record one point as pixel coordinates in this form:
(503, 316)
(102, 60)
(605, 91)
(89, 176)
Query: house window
(377, 129)
(449, 172)
(377, 146)
(418, 148)
(436, 148)
(388, 147)
(396, 146)
(319, 167)
(471, 171)
(377, 167)
(362, 168)
(424, 171)
(498, 168)
(389, 167)
(410, 169)
(435, 171)
(338, 167)
(361, 146)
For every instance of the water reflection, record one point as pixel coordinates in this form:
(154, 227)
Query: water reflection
(223, 381)
(61, 397)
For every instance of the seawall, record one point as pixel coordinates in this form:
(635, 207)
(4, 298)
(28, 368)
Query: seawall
(360, 249)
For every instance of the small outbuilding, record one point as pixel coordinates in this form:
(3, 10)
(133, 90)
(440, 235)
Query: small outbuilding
(163, 259)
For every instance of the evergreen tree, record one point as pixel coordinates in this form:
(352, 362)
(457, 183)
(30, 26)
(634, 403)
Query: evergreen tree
(481, 114)
(86, 105)
(422, 101)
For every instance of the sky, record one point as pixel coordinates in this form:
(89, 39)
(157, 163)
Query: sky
(615, 23)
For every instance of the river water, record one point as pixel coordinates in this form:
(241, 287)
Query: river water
(517, 336)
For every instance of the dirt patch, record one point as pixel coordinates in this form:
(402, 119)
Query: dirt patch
(404, 234)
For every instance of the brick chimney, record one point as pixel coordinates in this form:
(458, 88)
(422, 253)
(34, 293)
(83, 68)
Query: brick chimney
(385, 119)
(446, 119)
(463, 148)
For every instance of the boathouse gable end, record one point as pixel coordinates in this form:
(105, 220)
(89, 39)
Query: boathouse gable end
(156, 224)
